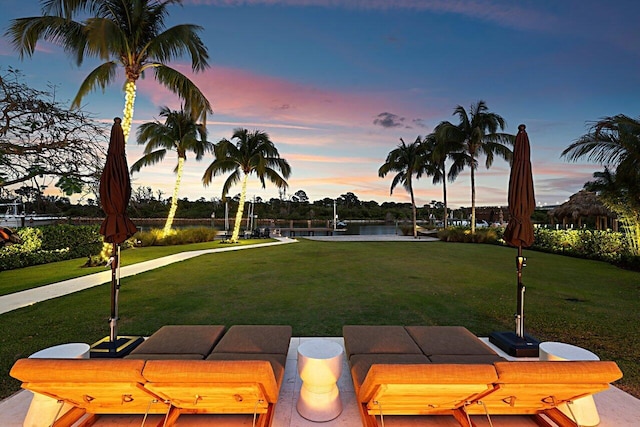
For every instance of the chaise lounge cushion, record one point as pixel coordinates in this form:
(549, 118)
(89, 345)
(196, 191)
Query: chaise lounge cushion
(256, 342)
(179, 342)
(365, 339)
(448, 340)
(268, 339)
(466, 359)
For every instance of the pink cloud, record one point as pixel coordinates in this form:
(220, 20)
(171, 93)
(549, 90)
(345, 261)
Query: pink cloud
(243, 95)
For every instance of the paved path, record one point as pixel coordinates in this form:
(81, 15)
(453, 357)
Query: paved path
(31, 296)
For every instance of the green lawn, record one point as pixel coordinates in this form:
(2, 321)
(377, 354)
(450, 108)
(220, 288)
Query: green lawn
(317, 287)
(27, 278)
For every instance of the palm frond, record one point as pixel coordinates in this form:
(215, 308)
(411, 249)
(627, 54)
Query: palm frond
(177, 41)
(149, 159)
(195, 102)
(101, 76)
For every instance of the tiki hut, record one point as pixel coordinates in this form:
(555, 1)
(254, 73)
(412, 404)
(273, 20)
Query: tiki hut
(583, 206)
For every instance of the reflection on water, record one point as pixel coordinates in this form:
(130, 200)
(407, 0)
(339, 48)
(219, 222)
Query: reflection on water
(370, 229)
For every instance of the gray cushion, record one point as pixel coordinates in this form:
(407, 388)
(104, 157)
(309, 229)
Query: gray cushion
(165, 356)
(364, 339)
(466, 359)
(451, 340)
(181, 339)
(270, 339)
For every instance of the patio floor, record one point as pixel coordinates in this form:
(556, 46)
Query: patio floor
(616, 408)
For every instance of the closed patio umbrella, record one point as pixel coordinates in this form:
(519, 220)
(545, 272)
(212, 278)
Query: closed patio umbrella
(115, 192)
(519, 233)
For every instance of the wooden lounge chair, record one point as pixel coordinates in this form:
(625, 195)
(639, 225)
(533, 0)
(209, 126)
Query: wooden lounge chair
(214, 387)
(537, 388)
(422, 389)
(446, 370)
(242, 375)
(91, 386)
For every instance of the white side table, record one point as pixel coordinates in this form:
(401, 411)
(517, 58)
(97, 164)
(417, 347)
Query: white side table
(44, 409)
(319, 366)
(584, 409)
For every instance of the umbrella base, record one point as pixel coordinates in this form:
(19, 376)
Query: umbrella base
(123, 345)
(514, 345)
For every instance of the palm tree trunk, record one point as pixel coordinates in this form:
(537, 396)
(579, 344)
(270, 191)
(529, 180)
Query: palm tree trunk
(444, 196)
(413, 211)
(236, 224)
(129, 99)
(473, 200)
(174, 198)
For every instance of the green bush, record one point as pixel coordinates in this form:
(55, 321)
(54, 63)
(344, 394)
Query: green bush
(41, 245)
(598, 245)
(463, 235)
(154, 237)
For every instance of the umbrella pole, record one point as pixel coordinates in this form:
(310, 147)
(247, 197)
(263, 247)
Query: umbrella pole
(520, 262)
(115, 288)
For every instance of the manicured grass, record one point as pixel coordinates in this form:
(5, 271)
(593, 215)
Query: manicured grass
(39, 275)
(317, 287)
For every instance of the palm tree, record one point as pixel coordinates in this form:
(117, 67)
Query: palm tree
(407, 161)
(181, 133)
(130, 34)
(252, 152)
(437, 151)
(615, 143)
(478, 132)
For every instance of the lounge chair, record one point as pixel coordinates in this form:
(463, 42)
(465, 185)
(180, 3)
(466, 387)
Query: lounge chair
(432, 370)
(90, 386)
(242, 375)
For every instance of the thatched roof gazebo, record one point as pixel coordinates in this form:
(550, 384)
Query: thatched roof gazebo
(582, 205)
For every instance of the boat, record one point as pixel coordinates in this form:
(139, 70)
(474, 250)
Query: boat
(14, 216)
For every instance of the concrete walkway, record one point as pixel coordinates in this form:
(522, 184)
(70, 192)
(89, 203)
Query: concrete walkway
(42, 293)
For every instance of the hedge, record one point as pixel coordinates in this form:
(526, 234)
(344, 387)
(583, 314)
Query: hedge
(609, 246)
(41, 245)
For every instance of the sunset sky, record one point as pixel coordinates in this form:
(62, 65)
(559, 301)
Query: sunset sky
(337, 83)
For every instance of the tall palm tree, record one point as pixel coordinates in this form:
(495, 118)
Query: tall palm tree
(130, 34)
(478, 132)
(407, 161)
(437, 150)
(246, 153)
(615, 143)
(179, 132)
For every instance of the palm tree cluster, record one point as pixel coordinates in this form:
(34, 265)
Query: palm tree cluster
(129, 34)
(132, 35)
(477, 133)
(614, 142)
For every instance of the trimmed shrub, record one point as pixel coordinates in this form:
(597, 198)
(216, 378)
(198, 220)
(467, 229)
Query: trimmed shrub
(598, 245)
(41, 245)
(184, 236)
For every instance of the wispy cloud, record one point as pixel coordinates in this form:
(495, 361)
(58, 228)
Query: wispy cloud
(501, 12)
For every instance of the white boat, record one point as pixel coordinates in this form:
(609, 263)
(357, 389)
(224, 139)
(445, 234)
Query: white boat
(14, 217)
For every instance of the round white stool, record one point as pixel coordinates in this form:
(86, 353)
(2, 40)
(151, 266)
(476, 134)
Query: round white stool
(44, 409)
(319, 367)
(583, 410)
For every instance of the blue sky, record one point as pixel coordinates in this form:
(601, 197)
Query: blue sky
(337, 83)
